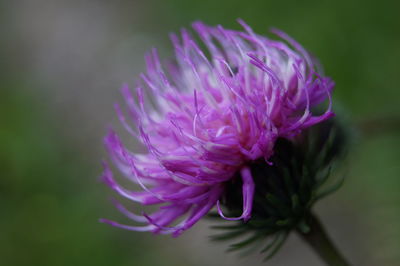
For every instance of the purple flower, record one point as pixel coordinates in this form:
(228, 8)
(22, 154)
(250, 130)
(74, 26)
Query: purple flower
(208, 116)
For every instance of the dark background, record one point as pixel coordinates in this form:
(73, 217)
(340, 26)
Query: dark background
(62, 64)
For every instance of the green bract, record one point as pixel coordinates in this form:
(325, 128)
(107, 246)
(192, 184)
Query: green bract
(299, 174)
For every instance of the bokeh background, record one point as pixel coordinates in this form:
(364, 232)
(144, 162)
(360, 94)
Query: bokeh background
(62, 64)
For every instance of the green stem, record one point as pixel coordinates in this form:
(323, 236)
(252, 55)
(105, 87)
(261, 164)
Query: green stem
(318, 239)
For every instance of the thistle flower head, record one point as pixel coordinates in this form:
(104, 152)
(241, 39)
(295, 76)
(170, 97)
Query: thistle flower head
(206, 118)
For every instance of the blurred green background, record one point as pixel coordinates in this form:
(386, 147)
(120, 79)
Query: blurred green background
(62, 63)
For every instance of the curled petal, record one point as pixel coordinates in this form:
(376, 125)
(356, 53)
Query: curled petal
(129, 227)
(248, 195)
